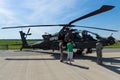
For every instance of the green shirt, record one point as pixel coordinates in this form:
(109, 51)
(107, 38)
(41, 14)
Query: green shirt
(70, 47)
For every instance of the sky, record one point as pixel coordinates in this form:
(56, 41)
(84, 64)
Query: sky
(40, 12)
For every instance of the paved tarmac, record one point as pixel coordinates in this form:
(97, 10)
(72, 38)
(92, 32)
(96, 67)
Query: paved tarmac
(45, 65)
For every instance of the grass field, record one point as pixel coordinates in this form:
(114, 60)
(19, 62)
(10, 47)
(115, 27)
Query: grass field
(16, 44)
(13, 44)
(116, 45)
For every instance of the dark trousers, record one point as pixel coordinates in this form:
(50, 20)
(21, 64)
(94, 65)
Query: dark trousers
(99, 56)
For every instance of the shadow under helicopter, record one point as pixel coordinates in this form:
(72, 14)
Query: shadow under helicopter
(114, 61)
(55, 56)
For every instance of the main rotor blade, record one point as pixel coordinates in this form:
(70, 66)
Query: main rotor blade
(35, 26)
(96, 28)
(59, 25)
(104, 8)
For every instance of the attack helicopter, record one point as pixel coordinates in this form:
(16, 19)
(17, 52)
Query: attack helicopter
(82, 39)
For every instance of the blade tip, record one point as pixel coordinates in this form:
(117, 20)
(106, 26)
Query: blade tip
(3, 28)
(108, 6)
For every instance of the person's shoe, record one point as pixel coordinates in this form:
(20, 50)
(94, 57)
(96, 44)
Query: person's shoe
(61, 60)
(100, 63)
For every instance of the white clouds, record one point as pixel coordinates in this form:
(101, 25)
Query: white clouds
(34, 11)
(7, 16)
(29, 12)
(47, 10)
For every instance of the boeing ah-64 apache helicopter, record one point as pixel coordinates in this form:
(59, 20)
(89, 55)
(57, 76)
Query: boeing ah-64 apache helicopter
(82, 39)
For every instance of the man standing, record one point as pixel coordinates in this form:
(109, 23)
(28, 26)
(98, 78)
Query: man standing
(99, 48)
(61, 50)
